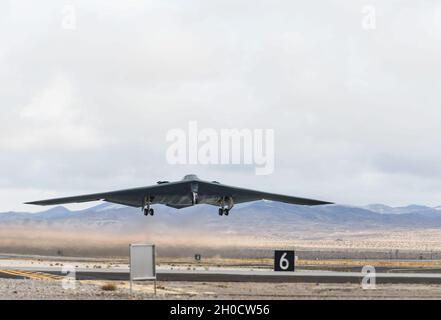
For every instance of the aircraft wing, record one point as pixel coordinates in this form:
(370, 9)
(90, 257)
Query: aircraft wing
(129, 197)
(168, 193)
(241, 195)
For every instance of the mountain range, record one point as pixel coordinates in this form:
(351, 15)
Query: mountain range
(249, 217)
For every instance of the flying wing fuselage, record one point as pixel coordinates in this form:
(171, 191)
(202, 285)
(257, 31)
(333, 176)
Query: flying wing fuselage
(181, 194)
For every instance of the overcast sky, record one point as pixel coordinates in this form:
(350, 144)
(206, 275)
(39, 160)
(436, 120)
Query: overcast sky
(356, 112)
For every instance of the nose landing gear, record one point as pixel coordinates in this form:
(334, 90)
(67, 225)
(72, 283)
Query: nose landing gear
(195, 199)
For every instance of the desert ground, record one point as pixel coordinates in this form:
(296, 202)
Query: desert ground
(102, 289)
(332, 250)
(45, 289)
(396, 243)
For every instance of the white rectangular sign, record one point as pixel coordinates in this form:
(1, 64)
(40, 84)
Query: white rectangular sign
(142, 262)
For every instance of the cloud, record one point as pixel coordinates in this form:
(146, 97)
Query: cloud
(52, 119)
(355, 112)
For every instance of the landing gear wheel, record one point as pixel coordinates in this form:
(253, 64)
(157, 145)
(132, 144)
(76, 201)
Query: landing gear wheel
(221, 211)
(148, 212)
(226, 212)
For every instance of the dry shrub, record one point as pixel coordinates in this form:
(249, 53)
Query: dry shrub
(108, 287)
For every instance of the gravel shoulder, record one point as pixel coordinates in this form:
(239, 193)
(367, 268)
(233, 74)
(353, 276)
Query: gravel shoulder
(14, 289)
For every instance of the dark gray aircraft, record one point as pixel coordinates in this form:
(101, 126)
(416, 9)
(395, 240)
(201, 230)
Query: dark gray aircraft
(181, 194)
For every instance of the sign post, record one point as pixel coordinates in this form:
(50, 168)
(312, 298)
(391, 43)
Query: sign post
(142, 263)
(284, 260)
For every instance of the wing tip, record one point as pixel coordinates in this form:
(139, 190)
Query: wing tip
(324, 203)
(321, 202)
(35, 203)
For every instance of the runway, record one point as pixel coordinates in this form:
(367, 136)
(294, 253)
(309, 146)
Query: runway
(227, 276)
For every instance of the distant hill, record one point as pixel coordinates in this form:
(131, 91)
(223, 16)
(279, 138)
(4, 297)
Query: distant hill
(251, 229)
(381, 208)
(247, 218)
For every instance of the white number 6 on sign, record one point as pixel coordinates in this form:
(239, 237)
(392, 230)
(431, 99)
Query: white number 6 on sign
(284, 263)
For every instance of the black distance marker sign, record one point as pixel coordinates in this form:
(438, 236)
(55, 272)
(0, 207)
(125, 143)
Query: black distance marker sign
(284, 260)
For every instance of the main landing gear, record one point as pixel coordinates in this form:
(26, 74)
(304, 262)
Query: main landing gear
(149, 212)
(225, 210)
(146, 207)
